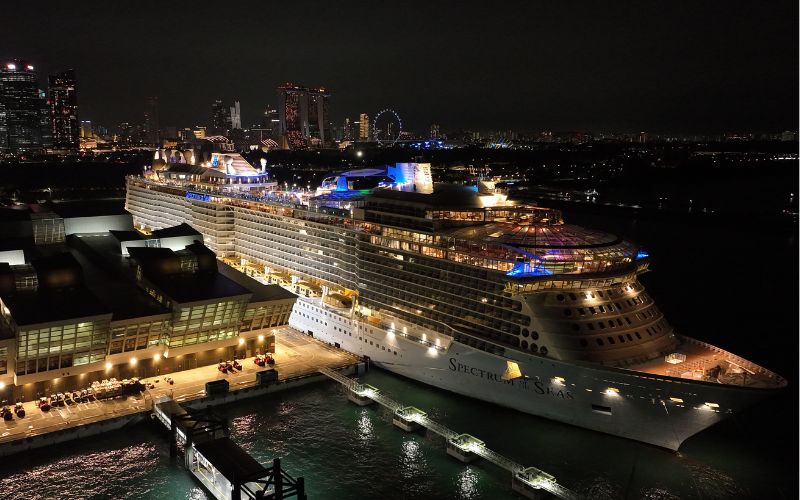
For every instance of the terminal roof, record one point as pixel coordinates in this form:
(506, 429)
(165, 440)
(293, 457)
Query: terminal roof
(183, 229)
(29, 307)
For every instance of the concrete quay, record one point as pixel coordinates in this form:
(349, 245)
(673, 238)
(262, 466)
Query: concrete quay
(298, 359)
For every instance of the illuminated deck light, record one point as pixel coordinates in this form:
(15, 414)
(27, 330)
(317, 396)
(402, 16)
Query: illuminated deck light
(558, 380)
(712, 405)
(134, 361)
(241, 341)
(612, 391)
(676, 400)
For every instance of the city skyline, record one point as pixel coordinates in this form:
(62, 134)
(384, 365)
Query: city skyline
(656, 68)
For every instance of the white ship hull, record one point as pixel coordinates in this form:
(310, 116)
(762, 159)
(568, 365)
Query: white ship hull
(662, 411)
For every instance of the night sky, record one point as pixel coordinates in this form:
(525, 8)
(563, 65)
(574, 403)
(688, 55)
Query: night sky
(690, 67)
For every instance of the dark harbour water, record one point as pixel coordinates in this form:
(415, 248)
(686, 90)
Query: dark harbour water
(734, 287)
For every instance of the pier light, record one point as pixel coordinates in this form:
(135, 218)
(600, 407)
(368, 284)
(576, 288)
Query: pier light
(108, 365)
(261, 338)
(612, 391)
(134, 361)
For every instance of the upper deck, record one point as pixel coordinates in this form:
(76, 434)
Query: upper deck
(697, 360)
(525, 242)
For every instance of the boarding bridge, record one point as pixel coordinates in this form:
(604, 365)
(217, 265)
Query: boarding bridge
(223, 468)
(527, 481)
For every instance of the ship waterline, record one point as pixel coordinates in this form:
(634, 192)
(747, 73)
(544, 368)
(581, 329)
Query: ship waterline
(469, 292)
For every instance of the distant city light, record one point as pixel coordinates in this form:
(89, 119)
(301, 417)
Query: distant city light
(11, 66)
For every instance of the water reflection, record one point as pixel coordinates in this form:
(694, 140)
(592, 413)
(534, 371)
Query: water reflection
(364, 427)
(412, 460)
(468, 484)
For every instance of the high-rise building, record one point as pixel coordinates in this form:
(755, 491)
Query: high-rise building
(86, 129)
(45, 121)
(65, 127)
(220, 119)
(435, 131)
(20, 109)
(236, 116)
(347, 130)
(151, 126)
(303, 116)
(363, 127)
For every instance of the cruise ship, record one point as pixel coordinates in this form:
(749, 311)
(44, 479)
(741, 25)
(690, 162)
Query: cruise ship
(463, 289)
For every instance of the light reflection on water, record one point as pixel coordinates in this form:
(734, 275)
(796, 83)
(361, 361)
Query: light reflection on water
(468, 484)
(345, 452)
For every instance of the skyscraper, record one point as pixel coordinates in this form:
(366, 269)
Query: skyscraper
(151, 126)
(303, 115)
(220, 119)
(435, 131)
(64, 112)
(363, 127)
(20, 109)
(236, 116)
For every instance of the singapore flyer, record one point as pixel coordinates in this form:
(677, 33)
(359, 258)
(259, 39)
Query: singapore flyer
(386, 127)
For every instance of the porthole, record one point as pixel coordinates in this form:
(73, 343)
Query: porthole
(543, 350)
(535, 335)
(524, 344)
(534, 347)
(560, 297)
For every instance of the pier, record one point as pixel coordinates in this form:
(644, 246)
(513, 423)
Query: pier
(298, 358)
(223, 468)
(527, 481)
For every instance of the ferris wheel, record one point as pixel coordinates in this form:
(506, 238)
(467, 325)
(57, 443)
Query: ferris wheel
(386, 127)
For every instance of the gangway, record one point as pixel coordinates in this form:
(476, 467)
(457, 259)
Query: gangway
(223, 468)
(528, 481)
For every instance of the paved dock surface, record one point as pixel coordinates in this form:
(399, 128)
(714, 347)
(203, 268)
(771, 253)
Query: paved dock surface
(296, 354)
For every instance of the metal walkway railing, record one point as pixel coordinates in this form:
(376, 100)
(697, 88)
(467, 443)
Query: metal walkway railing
(530, 475)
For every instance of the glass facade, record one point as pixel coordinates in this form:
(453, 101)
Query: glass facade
(61, 346)
(198, 324)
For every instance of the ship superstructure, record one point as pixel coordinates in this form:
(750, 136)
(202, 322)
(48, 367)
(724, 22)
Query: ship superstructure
(468, 291)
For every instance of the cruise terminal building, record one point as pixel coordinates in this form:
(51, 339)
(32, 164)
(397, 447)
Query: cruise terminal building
(97, 299)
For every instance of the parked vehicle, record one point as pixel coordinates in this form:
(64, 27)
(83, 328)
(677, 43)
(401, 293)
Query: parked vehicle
(43, 404)
(19, 410)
